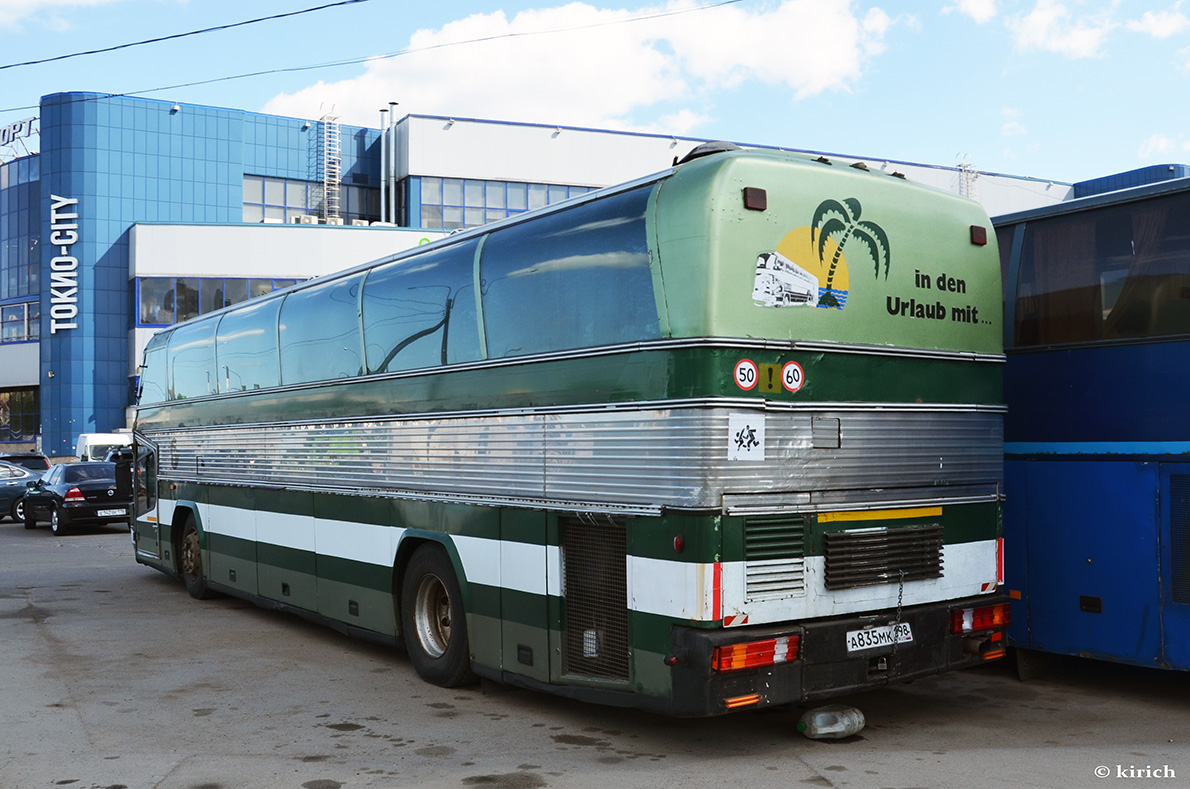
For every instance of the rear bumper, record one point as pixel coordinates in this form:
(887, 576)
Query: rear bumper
(79, 514)
(824, 667)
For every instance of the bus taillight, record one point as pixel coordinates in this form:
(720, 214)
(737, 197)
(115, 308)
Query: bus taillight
(751, 654)
(988, 617)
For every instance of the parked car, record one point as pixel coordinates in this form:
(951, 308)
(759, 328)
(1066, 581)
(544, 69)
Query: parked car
(74, 494)
(95, 446)
(39, 463)
(14, 480)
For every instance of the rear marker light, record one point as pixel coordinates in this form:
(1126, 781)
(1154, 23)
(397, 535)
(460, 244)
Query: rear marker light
(755, 199)
(752, 654)
(74, 494)
(741, 701)
(988, 617)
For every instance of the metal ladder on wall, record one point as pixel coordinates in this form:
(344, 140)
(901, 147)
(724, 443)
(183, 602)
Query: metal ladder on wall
(332, 164)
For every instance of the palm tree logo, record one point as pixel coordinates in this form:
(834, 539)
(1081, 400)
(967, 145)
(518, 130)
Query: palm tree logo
(840, 221)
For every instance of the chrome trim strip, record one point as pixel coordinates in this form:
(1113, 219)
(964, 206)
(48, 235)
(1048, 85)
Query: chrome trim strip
(735, 403)
(636, 459)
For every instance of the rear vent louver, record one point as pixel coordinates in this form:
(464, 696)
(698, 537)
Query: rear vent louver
(774, 566)
(595, 591)
(870, 557)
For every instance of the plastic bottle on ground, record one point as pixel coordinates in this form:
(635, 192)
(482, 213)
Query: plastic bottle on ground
(833, 722)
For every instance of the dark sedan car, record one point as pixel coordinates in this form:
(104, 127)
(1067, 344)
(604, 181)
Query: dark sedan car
(14, 480)
(39, 463)
(73, 494)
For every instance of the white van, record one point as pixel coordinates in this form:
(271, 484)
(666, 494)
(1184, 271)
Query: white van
(95, 446)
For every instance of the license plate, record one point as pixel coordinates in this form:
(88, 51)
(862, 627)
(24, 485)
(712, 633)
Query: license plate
(874, 637)
(111, 513)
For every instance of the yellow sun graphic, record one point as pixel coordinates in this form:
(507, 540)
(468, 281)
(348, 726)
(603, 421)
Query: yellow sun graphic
(798, 247)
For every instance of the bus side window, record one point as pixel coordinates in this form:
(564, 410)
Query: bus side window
(246, 347)
(416, 312)
(319, 329)
(585, 271)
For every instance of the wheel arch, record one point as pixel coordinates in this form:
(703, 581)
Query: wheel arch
(184, 509)
(413, 539)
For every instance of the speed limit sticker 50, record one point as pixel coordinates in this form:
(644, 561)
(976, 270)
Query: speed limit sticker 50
(769, 377)
(746, 374)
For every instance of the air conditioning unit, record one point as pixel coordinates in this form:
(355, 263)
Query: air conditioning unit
(305, 219)
(334, 220)
(359, 223)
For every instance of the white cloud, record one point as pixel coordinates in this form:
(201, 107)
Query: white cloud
(1161, 24)
(1050, 27)
(13, 12)
(979, 10)
(1161, 145)
(601, 70)
(1182, 60)
(1012, 126)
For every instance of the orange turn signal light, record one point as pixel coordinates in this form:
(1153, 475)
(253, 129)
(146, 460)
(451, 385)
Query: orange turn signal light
(751, 654)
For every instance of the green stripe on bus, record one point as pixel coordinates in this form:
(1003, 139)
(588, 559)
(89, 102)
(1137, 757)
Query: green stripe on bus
(648, 375)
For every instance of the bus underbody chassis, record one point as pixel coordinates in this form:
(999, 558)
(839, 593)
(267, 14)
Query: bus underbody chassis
(717, 671)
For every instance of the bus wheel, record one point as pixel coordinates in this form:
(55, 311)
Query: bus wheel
(433, 621)
(190, 559)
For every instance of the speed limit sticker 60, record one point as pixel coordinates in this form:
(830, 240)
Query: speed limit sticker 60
(792, 376)
(746, 374)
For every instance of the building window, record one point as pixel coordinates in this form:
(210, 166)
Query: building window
(451, 203)
(284, 200)
(163, 301)
(20, 322)
(20, 228)
(20, 414)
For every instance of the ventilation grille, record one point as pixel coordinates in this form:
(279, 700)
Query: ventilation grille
(595, 589)
(1179, 536)
(774, 566)
(870, 557)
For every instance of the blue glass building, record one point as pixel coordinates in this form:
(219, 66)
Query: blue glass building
(105, 164)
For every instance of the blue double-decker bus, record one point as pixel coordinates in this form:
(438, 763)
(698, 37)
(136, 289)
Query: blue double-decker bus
(1097, 437)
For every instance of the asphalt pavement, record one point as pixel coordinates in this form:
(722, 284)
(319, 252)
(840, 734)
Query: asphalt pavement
(112, 677)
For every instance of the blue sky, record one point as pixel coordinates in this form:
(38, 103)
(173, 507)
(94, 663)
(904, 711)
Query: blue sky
(1063, 90)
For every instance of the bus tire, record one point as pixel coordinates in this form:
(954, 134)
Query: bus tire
(190, 561)
(433, 621)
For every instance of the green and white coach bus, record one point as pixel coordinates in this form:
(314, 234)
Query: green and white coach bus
(722, 438)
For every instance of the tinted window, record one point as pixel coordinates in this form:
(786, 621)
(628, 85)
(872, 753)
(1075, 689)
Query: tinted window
(421, 312)
(1114, 273)
(247, 347)
(153, 381)
(574, 279)
(320, 332)
(157, 300)
(192, 360)
(88, 472)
